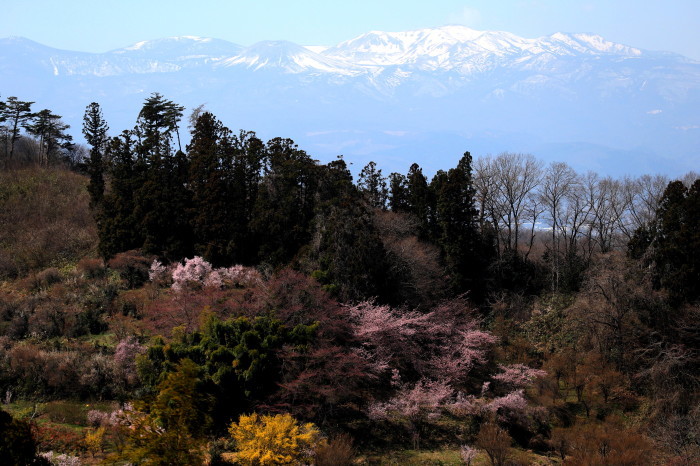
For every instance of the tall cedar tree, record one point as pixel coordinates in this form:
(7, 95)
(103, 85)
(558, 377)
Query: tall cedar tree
(285, 204)
(420, 200)
(351, 252)
(95, 131)
(465, 253)
(162, 200)
(398, 193)
(211, 183)
(247, 174)
(373, 186)
(118, 225)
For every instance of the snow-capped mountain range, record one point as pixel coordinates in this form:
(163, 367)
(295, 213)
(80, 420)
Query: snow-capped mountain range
(425, 95)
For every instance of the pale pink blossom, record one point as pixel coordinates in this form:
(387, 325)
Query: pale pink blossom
(512, 403)
(158, 273)
(422, 400)
(468, 454)
(517, 375)
(191, 274)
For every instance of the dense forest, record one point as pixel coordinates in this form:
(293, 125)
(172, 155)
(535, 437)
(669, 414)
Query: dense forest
(234, 301)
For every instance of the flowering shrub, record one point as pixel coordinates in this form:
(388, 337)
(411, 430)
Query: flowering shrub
(60, 459)
(159, 273)
(468, 454)
(279, 439)
(439, 344)
(97, 418)
(125, 359)
(231, 277)
(514, 402)
(123, 416)
(420, 401)
(191, 274)
(516, 376)
(196, 273)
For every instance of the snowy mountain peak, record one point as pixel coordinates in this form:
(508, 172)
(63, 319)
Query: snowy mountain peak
(593, 43)
(465, 49)
(288, 56)
(392, 94)
(180, 48)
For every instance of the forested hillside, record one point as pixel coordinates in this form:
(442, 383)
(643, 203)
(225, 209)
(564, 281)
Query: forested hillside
(234, 301)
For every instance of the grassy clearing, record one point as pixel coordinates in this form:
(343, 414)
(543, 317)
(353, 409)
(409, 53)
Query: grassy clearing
(447, 457)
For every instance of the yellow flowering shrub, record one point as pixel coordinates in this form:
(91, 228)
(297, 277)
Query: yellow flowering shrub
(279, 439)
(94, 439)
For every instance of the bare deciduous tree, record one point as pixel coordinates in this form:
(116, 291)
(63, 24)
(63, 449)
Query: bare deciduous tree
(506, 190)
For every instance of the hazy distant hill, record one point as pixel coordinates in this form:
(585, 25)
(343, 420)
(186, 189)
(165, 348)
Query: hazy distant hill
(424, 95)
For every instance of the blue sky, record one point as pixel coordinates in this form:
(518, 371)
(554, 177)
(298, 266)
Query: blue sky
(101, 25)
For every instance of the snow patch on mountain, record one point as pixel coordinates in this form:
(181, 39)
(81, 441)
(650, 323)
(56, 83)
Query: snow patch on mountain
(289, 57)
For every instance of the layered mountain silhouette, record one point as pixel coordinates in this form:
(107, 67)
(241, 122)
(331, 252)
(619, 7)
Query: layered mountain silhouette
(426, 95)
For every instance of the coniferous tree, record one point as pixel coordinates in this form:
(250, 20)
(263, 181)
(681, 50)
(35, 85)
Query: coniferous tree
(17, 114)
(398, 193)
(173, 431)
(162, 201)
(95, 131)
(285, 203)
(249, 155)
(211, 184)
(158, 120)
(4, 132)
(118, 226)
(420, 200)
(17, 443)
(465, 253)
(671, 244)
(51, 132)
(352, 259)
(373, 185)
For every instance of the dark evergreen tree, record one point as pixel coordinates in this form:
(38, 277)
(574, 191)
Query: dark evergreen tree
(352, 256)
(162, 202)
(211, 183)
(249, 155)
(95, 131)
(398, 193)
(465, 252)
(118, 226)
(373, 185)
(17, 114)
(51, 132)
(158, 121)
(671, 244)
(17, 444)
(4, 132)
(352, 262)
(285, 203)
(420, 201)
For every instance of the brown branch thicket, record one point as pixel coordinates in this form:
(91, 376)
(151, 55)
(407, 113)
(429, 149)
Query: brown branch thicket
(44, 220)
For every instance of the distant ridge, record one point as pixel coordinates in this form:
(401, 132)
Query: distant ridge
(395, 95)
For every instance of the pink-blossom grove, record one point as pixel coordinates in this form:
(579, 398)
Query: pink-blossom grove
(444, 343)
(516, 376)
(197, 273)
(429, 358)
(191, 273)
(425, 398)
